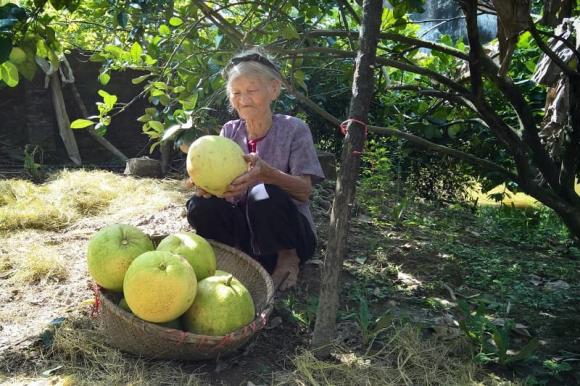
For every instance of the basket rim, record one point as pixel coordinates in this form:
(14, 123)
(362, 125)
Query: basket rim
(181, 336)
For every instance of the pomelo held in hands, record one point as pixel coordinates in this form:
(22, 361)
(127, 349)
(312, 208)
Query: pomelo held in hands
(110, 252)
(222, 305)
(159, 286)
(197, 250)
(213, 162)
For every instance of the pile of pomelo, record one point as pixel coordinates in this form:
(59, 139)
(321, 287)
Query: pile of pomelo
(175, 285)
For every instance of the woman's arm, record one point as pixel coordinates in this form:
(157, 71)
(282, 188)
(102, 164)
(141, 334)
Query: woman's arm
(299, 187)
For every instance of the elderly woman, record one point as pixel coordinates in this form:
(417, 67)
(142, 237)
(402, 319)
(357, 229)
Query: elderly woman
(265, 211)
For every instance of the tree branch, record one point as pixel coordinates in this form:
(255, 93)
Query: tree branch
(424, 71)
(555, 58)
(222, 23)
(526, 119)
(487, 165)
(564, 41)
(475, 50)
(350, 10)
(395, 37)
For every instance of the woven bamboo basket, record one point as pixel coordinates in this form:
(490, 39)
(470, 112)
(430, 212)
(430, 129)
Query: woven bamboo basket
(131, 334)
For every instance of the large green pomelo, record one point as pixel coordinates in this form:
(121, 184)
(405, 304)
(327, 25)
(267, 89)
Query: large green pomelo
(222, 305)
(197, 250)
(110, 252)
(175, 323)
(159, 286)
(213, 162)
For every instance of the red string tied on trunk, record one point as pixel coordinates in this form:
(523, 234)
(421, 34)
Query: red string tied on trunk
(344, 131)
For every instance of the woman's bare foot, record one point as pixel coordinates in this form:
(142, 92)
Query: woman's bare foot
(287, 268)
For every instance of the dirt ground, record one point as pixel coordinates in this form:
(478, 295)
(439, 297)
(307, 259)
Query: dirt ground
(30, 311)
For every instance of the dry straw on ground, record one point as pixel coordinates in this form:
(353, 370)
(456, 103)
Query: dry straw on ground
(406, 358)
(69, 196)
(78, 355)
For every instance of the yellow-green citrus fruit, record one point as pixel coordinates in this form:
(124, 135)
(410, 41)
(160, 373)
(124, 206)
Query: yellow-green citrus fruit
(197, 250)
(159, 286)
(110, 252)
(175, 323)
(222, 305)
(213, 162)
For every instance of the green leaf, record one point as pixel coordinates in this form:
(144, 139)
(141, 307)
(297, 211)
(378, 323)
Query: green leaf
(104, 78)
(41, 49)
(158, 126)
(149, 60)
(156, 92)
(123, 18)
(81, 123)
(175, 22)
(144, 118)
(140, 79)
(164, 99)
(58, 4)
(39, 3)
(530, 65)
(160, 85)
(363, 314)
(108, 99)
(384, 321)
(27, 69)
(152, 134)
(115, 51)
(190, 102)
(289, 32)
(97, 58)
(164, 30)
(72, 5)
(153, 147)
(136, 52)
(10, 74)
(178, 89)
(101, 129)
(218, 41)
(453, 130)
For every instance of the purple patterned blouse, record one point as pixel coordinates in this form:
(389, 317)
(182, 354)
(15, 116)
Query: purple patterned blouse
(287, 146)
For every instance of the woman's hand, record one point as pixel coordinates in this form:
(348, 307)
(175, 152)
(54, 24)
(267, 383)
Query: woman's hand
(257, 170)
(199, 192)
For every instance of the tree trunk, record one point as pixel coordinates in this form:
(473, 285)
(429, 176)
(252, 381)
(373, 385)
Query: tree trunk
(363, 84)
(165, 149)
(556, 10)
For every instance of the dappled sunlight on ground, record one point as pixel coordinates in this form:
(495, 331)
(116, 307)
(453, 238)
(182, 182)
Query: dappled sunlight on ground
(492, 196)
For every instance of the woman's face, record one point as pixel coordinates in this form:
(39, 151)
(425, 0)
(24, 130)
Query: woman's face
(251, 95)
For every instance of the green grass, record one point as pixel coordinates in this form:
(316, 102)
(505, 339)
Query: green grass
(506, 258)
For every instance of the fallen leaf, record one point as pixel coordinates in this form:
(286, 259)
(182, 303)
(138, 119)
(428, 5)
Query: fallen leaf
(558, 285)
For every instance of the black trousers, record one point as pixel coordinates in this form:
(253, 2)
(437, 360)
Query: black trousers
(268, 221)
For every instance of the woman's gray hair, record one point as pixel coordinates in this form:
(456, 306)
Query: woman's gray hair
(251, 62)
